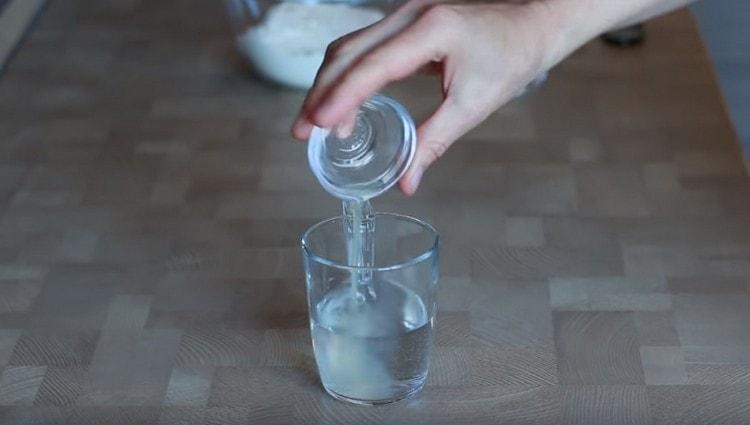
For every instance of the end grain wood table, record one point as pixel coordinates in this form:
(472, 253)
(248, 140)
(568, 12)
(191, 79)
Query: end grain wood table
(596, 253)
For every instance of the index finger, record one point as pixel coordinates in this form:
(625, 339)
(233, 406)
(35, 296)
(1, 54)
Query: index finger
(396, 59)
(345, 51)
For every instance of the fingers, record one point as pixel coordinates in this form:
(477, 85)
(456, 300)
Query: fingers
(470, 98)
(334, 63)
(449, 122)
(301, 128)
(344, 52)
(396, 59)
(346, 126)
(390, 50)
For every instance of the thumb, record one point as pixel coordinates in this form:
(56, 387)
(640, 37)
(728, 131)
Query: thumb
(434, 136)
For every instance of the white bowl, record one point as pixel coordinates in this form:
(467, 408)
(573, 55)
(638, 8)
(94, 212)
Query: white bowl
(285, 41)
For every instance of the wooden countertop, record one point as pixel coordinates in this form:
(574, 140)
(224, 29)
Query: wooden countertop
(595, 264)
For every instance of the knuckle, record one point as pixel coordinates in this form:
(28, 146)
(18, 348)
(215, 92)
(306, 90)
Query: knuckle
(436, 149)
(338, 48)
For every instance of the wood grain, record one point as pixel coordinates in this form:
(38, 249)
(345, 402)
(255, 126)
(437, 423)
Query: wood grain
(595, 265)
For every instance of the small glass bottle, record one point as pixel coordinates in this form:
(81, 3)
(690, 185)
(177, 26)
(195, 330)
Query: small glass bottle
(372, 158)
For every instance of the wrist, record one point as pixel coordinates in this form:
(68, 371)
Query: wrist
(563, 28)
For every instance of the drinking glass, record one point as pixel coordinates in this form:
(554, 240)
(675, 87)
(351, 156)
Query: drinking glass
(372, 325)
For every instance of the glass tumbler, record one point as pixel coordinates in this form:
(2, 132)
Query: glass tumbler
(372, 326)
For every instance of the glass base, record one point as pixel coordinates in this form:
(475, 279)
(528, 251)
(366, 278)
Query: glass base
(403, 396)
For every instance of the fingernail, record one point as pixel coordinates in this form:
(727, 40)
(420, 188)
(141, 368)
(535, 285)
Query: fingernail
(345, 129)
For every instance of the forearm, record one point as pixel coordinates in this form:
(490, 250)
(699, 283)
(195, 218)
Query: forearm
(571, 23)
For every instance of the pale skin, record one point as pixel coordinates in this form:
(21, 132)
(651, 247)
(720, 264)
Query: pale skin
(485, 54)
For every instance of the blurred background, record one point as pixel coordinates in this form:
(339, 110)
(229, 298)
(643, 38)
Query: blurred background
(722, 23)
(595, 258)
(726, 33)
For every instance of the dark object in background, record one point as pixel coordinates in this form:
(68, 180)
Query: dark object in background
(626, 37)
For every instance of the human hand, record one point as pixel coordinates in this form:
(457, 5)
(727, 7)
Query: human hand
(486, 54)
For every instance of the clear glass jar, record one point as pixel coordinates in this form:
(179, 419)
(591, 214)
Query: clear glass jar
(285, 41)
(372, 158)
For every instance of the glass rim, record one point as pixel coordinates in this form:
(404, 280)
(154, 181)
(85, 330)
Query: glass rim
(429, 252)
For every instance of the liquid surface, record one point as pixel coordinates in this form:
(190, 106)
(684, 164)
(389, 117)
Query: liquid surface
(372, 348)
